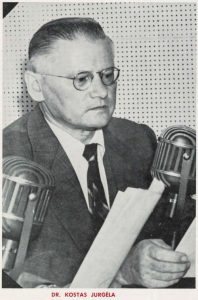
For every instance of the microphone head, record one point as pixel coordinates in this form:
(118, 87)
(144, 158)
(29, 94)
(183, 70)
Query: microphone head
(175, 144)
(24, 180)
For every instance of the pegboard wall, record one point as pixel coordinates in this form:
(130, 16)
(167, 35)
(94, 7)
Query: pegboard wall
(155, 49)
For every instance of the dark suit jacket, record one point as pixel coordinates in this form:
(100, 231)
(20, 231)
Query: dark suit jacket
(67, 231)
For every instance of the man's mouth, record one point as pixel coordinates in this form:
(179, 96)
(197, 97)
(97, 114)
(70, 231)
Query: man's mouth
(99, 107)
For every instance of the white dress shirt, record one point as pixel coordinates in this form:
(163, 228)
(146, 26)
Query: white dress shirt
(74, 150)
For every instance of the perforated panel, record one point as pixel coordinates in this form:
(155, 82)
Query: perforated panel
(155, 50)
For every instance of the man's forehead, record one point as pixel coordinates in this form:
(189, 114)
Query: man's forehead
(80, 52)
(80, 44)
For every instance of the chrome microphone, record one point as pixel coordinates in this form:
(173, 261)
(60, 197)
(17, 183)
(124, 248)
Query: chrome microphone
(27, 189)
(175, 165)
(176, 143)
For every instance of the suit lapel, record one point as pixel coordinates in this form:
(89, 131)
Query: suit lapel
(113, 163)
(68, 201)
(121, 172)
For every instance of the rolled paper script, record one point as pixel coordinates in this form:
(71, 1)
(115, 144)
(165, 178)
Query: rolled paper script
(124, 222)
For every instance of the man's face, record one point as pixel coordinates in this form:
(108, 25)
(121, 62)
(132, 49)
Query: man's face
(74, 109)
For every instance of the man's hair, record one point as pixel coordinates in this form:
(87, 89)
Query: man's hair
(64, 28)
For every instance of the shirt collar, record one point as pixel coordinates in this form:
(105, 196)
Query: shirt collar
(98, 138)
(72, 145)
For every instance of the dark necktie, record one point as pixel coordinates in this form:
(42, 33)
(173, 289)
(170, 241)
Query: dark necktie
(96, 196)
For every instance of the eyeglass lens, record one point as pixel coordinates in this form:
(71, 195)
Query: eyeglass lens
(108, 76)
(83, 80)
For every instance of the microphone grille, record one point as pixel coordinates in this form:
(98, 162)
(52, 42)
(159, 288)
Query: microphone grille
(174, 143)
(26, 171)
(24, 180)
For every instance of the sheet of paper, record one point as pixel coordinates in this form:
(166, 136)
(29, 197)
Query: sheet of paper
(118, 233)
(188, 246)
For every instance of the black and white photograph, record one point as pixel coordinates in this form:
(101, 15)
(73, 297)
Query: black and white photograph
(99, 150)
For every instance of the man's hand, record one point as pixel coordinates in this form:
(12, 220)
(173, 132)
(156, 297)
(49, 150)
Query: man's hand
(153, 264)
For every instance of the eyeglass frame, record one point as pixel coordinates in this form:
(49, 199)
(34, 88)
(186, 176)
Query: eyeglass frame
(90, 73)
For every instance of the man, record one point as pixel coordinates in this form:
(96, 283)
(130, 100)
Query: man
(72, 76)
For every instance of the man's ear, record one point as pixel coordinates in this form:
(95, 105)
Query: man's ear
(33, 86)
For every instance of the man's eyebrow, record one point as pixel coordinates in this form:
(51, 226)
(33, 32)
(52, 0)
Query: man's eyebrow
(71, 74)
(91, 71)
(84, 71)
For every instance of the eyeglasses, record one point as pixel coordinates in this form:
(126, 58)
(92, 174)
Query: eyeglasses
(83, 80)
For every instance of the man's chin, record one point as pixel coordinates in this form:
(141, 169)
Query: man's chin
(97, 125)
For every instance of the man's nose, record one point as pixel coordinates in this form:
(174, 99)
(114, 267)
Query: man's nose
(98, 89)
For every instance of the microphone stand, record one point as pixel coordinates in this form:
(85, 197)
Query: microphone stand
(178, 201)
(24, 239)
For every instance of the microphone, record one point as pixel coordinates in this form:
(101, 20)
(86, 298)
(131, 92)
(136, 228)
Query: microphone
(27, 189)
(175, 165)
